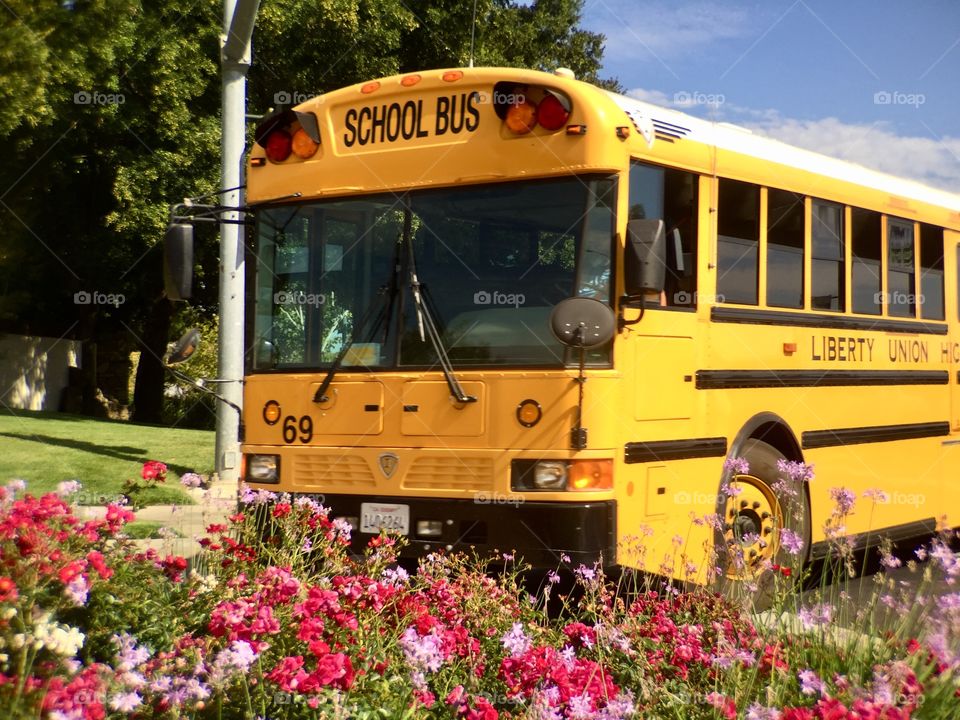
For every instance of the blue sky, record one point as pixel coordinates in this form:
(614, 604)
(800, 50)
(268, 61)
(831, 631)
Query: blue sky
(873, 82)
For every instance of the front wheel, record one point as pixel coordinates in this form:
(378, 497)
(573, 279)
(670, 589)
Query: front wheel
(756, 503)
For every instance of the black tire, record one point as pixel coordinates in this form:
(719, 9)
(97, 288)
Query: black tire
(769, 500)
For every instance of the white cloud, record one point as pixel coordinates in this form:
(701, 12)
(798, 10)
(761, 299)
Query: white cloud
(932, 160)
(663, 29)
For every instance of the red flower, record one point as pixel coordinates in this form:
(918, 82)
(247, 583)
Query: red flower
(797, 714)
(785, 571)
(96, 559)
(154, 470)
(173, 567)
(281, 510)
(8, 590)
(482, 710)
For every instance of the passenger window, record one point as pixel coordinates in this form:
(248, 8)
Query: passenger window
(865, 227)
(931, 272)
(670, 195)
(738, 242)
(827, 267)
(784, 249)
(900, 269)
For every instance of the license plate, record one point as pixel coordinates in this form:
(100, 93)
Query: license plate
(375, 517)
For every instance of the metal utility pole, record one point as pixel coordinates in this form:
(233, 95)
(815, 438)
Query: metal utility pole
(238, 19)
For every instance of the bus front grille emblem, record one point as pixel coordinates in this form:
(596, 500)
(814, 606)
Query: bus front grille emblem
(388, 464)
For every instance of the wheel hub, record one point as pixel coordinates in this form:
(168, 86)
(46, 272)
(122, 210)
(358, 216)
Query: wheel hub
(751, 518)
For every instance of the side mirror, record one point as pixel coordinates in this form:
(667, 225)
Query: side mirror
(178, 261)
(645, 257)
(582, 322)
(186, 346)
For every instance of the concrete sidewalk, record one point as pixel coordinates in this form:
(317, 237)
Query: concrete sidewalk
(214, 504)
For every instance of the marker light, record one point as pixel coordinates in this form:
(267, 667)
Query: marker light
(271, 412)
(452, 75)
(521, 117)
(590, 475)
(303, 145)
(278, 146)
(529, 413)
(551, 112)
(410, 80)
(370, 87)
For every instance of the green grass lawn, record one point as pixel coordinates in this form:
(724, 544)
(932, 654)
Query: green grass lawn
(47, 448)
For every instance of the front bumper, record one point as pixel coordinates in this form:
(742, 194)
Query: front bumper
(539, 533)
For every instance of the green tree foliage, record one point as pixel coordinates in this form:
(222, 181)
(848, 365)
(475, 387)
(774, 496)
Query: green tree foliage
(110, 112)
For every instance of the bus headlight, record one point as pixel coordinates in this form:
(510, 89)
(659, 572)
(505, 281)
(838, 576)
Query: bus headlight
(263, 468)
(550, 475)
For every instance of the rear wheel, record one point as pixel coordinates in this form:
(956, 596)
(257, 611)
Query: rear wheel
(756, 504)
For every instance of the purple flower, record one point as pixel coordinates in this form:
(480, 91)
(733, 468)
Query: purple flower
(810, 683)
(68, 487)
(125, 702)
(791, 541)
(877, 495)
(730, 490)
(816, 615)
(580, 707)
(515, 641)
(553, 577)
(342, 528)
(585, 573)
(191, 480)
(77, 591)
(129, 654)
(736, 466)
(844, 500)
(798, 471)
(569, 655)
(395, 576)
(758, 712)
(890, 561)
(620, 707)
(421, 652)
(232, 660)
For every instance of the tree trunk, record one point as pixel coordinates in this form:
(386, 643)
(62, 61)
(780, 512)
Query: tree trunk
(148, 390)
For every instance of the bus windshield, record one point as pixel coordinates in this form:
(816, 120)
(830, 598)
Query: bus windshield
(491, 260)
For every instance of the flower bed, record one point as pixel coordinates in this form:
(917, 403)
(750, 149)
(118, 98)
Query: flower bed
(91, 628)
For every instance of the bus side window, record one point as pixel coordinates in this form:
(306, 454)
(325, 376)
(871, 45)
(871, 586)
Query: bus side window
(865, 273)
(901, 268)
(827, 269)
(680, 205)
(784, 249)
(738, 242)
(931, 272)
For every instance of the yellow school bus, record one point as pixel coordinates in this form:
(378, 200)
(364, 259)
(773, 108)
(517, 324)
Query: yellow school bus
(415, 356)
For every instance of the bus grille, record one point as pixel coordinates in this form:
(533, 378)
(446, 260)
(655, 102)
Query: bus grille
(457, 473)
(333, 472)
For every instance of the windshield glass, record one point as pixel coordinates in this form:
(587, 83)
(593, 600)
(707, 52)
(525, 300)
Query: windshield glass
(492, 261)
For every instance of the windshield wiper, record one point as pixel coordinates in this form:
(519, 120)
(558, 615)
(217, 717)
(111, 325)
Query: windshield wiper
(426, 324)
(383, 292)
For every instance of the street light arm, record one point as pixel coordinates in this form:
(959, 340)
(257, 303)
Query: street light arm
(236, 44)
